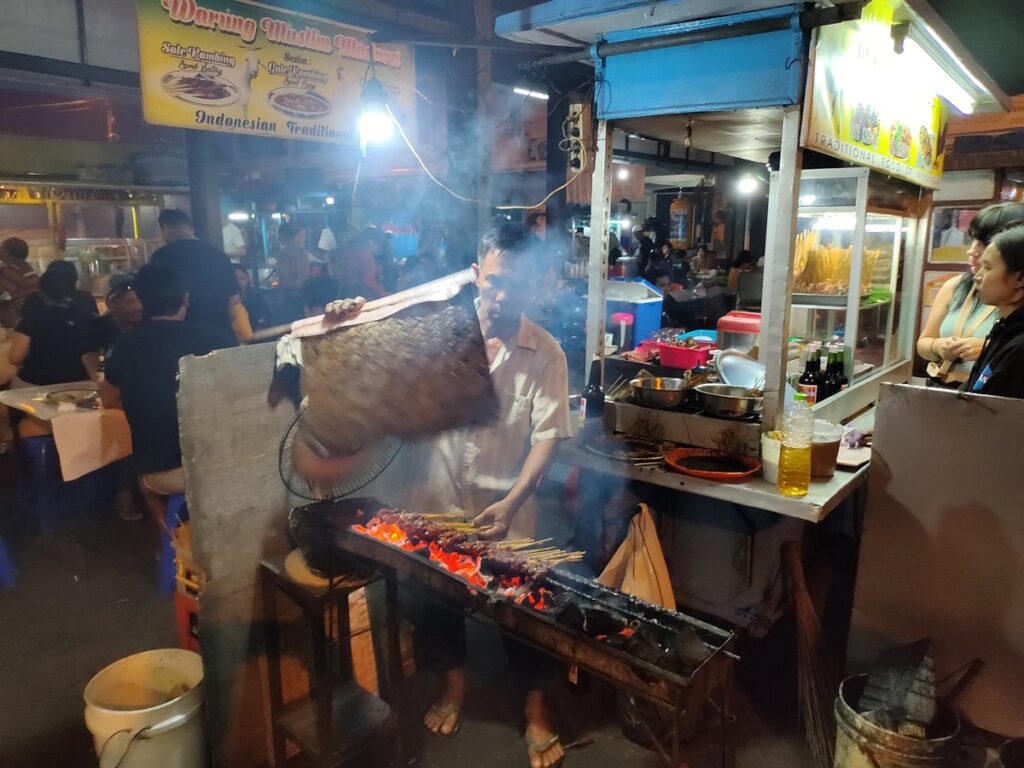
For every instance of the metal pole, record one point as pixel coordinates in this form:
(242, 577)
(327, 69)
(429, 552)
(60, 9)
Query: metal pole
(600, 212)
(746, 226)
(778, 268)
(484, 14)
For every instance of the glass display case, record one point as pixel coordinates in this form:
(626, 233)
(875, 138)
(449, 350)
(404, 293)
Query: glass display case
(854, 231)
(98, 259)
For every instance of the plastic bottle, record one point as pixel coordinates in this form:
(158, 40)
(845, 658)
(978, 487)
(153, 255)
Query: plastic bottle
(795, 457)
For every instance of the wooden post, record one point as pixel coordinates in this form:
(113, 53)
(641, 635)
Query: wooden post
(600, 211)
(203, 192)
(778, 269)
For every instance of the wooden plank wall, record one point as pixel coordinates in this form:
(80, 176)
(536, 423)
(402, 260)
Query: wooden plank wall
(238, 507)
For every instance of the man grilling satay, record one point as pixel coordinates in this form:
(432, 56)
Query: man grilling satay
(489, 473)
(494, 470)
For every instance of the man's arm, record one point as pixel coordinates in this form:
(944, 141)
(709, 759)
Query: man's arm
(18, 350)
(494, 521)
(549, 415)
(110, 396)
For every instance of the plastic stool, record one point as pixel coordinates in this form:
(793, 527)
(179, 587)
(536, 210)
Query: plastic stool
(8, 573)
(166, 570)
(44, 481)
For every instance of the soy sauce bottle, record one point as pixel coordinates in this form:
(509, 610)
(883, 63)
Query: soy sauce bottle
(592, 400)
(809, 382)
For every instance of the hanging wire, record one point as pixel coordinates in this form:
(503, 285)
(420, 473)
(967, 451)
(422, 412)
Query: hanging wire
(456, 195)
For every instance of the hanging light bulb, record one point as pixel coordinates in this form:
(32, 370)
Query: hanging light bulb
(375, 124)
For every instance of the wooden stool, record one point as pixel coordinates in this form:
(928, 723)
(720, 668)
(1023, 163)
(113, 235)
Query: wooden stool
(339, 718)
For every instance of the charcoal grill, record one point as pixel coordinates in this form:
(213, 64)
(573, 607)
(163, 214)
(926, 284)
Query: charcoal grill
(675, 661)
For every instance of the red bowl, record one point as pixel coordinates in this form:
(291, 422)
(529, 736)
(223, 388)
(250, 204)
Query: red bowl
(675, 458)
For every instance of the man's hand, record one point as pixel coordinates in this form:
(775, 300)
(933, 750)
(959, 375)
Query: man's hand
(966, 349)
(493, 522)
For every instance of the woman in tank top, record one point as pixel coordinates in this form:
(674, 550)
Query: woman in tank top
(958, 323)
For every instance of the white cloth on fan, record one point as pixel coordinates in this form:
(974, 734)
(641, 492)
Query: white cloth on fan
(442, 289)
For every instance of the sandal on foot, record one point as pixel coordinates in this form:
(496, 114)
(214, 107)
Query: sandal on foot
(442, 713)
(538, 748)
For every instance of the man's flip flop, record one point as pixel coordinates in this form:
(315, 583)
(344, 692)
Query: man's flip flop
(537, 749)
(442, 714)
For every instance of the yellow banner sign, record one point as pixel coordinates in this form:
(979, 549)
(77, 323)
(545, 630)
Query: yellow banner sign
(873, 106)
(247, 68)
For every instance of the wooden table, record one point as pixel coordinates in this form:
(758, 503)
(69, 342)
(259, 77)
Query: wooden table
(86, 438)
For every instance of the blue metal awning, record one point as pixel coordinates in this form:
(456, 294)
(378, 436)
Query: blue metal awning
(575, 23)
(762, 69)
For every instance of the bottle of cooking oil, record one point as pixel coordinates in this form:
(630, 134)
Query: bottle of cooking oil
(795, 457)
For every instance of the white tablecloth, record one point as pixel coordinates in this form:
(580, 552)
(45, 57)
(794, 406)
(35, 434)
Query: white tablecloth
(86, 439)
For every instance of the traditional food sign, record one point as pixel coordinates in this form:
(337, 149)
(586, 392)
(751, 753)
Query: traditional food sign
(247, 68)
(873, 106)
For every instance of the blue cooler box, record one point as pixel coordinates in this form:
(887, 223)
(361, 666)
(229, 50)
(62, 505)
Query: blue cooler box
(638, 297)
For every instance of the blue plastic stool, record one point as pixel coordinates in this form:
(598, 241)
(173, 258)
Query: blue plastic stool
(44, 481)
(166, 573)
(8, 573)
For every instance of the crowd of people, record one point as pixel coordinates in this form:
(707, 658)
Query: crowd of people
(190, 299)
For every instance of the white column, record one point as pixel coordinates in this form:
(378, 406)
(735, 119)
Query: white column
(778, 269)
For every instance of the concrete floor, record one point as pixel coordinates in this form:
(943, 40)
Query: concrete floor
(78, 608)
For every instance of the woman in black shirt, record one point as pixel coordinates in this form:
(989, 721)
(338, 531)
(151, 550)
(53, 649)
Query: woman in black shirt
(1000, 282)
(49, 343)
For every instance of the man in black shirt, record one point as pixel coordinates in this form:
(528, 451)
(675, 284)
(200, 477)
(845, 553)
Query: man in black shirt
(124, 312)
(142, 378)
(209, 276)
(81, 301)
(49, 344)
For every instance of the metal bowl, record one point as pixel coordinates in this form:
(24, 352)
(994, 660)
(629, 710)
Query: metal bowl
(728, 401)
(658, 392)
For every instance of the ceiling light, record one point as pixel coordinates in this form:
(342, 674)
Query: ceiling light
(623, 174)
(329, 200)
(238, 216)
(531, 93)
(375, 124)
(746, 185)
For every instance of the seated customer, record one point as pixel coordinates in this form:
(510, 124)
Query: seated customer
(673, 313)
(82, 301)
(1000, 283)
(744, 262)
(142, 378)
(49, 343)
(124, 313)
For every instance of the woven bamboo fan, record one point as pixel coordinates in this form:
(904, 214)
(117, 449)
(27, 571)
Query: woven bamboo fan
(419, 371)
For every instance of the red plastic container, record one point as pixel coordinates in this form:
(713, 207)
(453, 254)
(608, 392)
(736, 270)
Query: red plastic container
(683, 357)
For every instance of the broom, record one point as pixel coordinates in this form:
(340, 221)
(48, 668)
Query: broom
(817, 684)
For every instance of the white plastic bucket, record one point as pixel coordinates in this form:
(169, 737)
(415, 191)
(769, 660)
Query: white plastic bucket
(144, 711)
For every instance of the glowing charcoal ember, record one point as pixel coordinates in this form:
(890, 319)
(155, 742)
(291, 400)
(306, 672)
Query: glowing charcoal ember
(391, 534)
(460, 565)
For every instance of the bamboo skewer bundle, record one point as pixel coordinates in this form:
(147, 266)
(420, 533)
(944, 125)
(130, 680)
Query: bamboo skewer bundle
(825, 269)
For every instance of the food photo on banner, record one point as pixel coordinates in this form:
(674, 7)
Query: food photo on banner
(225, 65)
